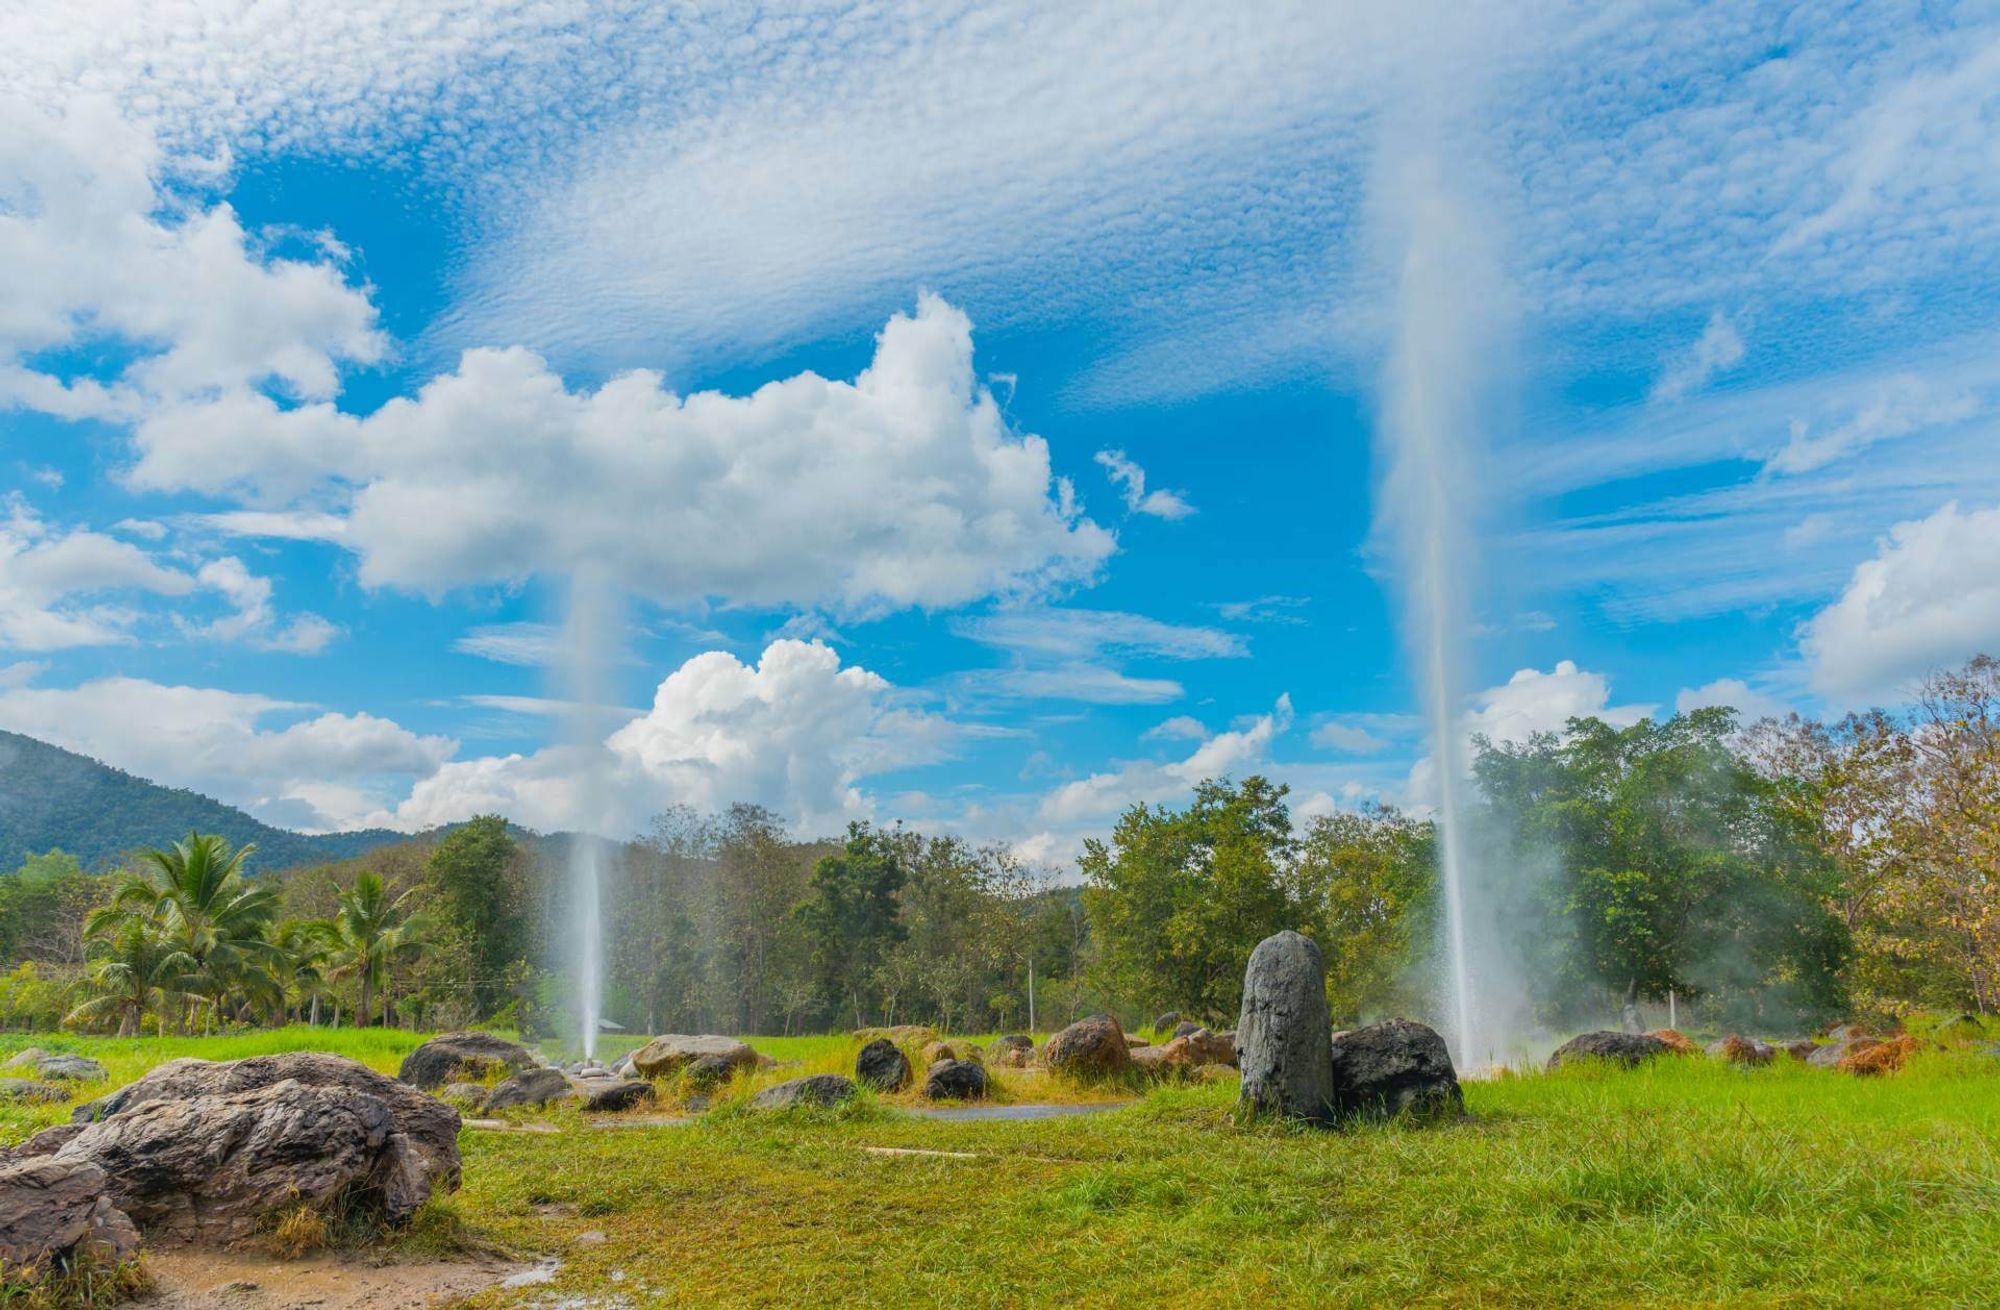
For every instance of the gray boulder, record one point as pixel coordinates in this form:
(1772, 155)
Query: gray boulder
(473, 1095)
(1186, 1026)
(1089, 1048)
(1392, 1068)
(46, 1142)
(422, 1127)
(52, 1210)
(1284, 1037)
(536, 1087)
(1167, 1022)
(30, 1091)
(707, 1073)
(672, 1053)
(609, 1096)
(59, 1066)
(882, 1065)
(955, 1080)
(461, 1057)
(1628, 1049)
(820, 1090)
(1015, 1051)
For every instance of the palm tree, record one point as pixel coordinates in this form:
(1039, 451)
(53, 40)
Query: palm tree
(143, 969)
(371, 934)
(300, 957)
(197, 894)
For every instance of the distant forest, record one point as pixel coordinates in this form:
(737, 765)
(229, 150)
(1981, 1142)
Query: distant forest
(1770, 876)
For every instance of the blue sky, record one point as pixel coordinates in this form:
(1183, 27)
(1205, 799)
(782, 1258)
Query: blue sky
(975, 409)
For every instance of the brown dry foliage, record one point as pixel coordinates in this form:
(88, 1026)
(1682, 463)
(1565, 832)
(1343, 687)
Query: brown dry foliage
(1676, 1041)
(1870, 1058)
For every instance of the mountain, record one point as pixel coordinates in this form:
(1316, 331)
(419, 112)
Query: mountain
(50, 797)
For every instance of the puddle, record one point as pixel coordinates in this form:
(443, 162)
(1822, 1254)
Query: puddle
(1016, 1113)
(217, 1280)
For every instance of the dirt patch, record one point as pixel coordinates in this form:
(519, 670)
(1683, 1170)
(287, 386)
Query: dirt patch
(217, 1280)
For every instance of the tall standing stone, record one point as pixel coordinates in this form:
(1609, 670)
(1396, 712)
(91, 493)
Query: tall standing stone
(1284, 1040)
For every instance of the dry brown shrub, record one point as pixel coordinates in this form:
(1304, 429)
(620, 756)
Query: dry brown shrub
(1870, 1058)
(1675, 1041)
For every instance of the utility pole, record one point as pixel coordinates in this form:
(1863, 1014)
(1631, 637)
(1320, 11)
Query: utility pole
(1031, 994)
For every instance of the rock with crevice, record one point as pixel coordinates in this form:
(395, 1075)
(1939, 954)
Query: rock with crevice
(1284, 1037)
(464, 1057)
(673, 1052)
(820, 1090)
(1628, 1049)
(1393, 1068)
(1089, 1048)
(53, 1210)
(611, 1096)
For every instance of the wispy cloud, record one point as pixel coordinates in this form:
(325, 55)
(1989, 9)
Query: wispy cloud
(1131, 482)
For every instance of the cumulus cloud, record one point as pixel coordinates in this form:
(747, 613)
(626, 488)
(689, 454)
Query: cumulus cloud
(1929, 598)
(53, 584)
(325, 771)
(1348, 738)
(1182, 727)
(795, 731)
(1533, 701)
(1130, 480)
(252, 619)
(904, 487)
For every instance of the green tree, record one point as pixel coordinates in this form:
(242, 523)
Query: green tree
(1178, 899)
(472, 868)
(196, 895)
(1366, 883)
(850, 917)
(370, 934)
(138, 970)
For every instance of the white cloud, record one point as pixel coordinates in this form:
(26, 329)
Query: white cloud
(1900, 406)
(1930, 598)
(253, 621)
(513, 643)
(1131, 482)
(1349, 738)
(1532, 701)
(1718, 349)
(1086, 634)
(52, 584)
(795, 731)
(1104, 795)
(1090, 683)
(1749, 703)
(215, 742)
(1264, 609)
(1181, 727)
(902, 488)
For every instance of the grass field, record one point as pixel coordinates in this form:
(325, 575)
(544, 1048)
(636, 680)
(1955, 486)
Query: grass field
(1687, 1182)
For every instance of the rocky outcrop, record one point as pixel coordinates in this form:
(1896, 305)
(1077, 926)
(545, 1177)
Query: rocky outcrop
(1168, 1023)
(955, 1080)
(1284, 1038)
(821, 1090)
(1628, 1049)
(882, 1065)
(1089, 1048)
(52, 1210)
(1396, 1067)
(671, 1053)
(536, 1087)
(463, 1057)
(1186, 1026)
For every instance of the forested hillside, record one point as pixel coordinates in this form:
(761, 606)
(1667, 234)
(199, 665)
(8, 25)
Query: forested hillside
(52, 798)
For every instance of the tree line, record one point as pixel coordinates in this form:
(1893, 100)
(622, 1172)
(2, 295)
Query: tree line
(1785, 872)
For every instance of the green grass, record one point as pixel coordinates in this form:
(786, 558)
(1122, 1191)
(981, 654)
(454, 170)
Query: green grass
(1687, 1182)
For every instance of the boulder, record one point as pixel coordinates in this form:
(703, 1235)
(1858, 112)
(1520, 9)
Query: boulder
(46, 1142)
(1799, 1048)
(1835, 1053)
(1168, 1023)
(822, 1090)
(473, 1095)
(1284, 1038)
(1392, 1068)
(1737, 1049)
(1134, 1042)
(608, 1096)
(211, 1165)
(1186, 1026)
(1187, 1053)
(902, 1034)
(955, 1080)
(1089, 1048)
(463, 1057)
(1011, 1052)
(28, 1090)
(419, 1155)
(935, 1051)
(59, 1066)
(707, 1073)
(1628, 1049)
(1205, 1047)
(53, 1209)
(536, 1087)
(1847, 1032)
(674, 1052)
(882, 1066)
(624, 1068)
